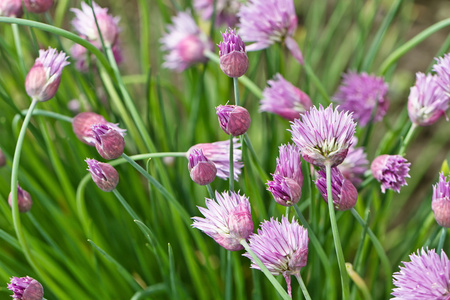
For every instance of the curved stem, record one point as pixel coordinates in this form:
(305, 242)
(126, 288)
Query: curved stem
(302, 286)
(61, 32)
(45, 113)
(266, 272)
(397, 54)
(441, 240)
(18, 45)
(337, 240)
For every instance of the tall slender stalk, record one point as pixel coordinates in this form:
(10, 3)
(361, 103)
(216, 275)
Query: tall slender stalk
(302, 286)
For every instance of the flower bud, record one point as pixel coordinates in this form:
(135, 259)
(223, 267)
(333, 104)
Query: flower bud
(43, 79)
(24, 201)
(234, 120)
(440, 203)
(108, 141)
(286, 191)
(26, 288)
(82, 126)
(38, 6)
(202, 170)
(233, 59)
(390, 171)
(11, 8)
(104, 175)
(343, 191)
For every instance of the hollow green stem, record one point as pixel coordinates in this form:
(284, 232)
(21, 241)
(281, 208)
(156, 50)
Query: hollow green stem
(210, 191)
(337, 240)
(249, 84)
(441, 240)
(125, 204)
(61, 32)
(18, 45)
(407, 139)
(231, 175)
(237, 100)
(397, 54)
(266, 272)
(228, 278)
(302, 286)
(45, 113)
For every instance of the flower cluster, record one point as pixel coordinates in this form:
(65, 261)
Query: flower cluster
(390, 171)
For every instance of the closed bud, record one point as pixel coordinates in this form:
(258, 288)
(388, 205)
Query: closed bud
(108, 141)
(286, 191)
(24, 201)
(233, 58)
(233, 119)
(202, 170)
(11, 8)
(440, 203)
(26, 288)
(104, 175)
(82, 126)
(38, 6)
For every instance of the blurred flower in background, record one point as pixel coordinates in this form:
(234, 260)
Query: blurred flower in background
(226, 11)
(11, 8)
(355, 164)
(442, 69)
(390, 171)
(38, 6)
(202, 170)
(440, 203)
(364, 95)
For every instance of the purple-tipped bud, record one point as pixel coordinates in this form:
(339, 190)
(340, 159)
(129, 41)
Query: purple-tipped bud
(227, 221)
(202, 170)
(82, 126)
(43, 79)
(440, 203)
(11, 8)
(26, 288)
(108, 141)
(233, 119)
(104, 175)
(24, 201)
(427, 101)
(84, 23)
(233, 59)
(343, 191)
(38, 6)
(390, 171)
(285, 190)
(2, 159)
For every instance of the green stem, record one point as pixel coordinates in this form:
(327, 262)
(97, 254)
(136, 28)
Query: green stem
(61, 32)
(18, 45)
(316, 81)
(407, 139)
(125, 204)
(45, 113)
(250, 85)
(129, 102)
(266, 272)
(210, 191)
(441, 240)
(337, 241)
(231, 175)
(237, 100)
(302, 286)
(397, 54)
(228, 278)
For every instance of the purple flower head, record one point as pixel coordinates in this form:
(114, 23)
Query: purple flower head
(104, 175)
(24, 201)
(84, 24)
(233, 59)
(82, 126)
(43, 79)
(324, 135)
(109, 141)
(185, 43)
(441, 201)
(227, 221)
(38, 6)
(219, 154)
(427, 101)
(355, 164)
(281, 247)
(442, 69)
(426, 276)
(390, 171)
(226, 11)
(26, 288)
(202, 170)
(268, 21)
(11, 8)
(361, 94)
(284, 99)
(287, 183)
(343, 191)
(233, 119)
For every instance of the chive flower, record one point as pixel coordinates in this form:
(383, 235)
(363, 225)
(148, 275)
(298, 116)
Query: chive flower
(390, 171)
(24, 201)
(233, 119)
(324, 135)
(227, 220)
(442, 69)
(82, 126)
(284, 99)
(109, 142)
(38, 6)
(355, 164)
(232, 56)
(440, 203)
(103, 175)
(202, 170)
(226, 11)
(11, 8)
(26, 288)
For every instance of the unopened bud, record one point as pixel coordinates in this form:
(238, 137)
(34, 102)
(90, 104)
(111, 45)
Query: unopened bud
(104, 175)
(108, 141)
(82, 126)
(234, 120)
(24, 201)
(202, 170)
(26, 288)
(233, 59)
(38, 6)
